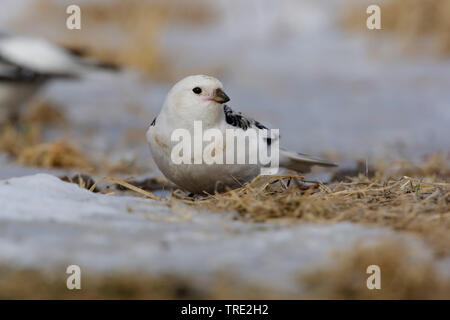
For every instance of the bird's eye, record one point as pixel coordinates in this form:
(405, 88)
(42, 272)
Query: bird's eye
(197, 90)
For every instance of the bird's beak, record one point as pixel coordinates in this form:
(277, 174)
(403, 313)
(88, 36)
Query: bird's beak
(220, 96)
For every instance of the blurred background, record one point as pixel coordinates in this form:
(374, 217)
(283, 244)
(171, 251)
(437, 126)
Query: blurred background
(308, 67)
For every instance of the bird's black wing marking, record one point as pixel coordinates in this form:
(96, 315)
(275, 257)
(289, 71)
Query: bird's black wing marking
(83, 56)
(153, 122)
(13, 72)
(237, 119)
(76, 52)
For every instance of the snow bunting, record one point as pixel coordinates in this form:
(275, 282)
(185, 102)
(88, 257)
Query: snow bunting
(200, 100)
(26, 64)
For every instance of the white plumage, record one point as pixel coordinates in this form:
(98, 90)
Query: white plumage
(201, 98)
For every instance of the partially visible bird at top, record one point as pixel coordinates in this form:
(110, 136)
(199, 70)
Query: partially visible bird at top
(28, 63)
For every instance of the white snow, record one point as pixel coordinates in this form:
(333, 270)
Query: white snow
(48, 224)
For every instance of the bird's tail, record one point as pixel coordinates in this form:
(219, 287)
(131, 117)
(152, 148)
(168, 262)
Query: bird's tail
(301, 162)
(104, 66)
(91, 63)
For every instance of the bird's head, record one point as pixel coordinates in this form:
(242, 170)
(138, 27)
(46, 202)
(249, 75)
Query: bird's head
(196, 97)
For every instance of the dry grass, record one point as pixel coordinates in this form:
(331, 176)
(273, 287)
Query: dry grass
(23, 142)
(44, 113)
(83, 181)
(14, 140)
(59, 154)
(127, 185)
(422, 24)
(33, 284)
(126, 33)
(26, 132)
(401, 276)
(436, 165)
(420, 205)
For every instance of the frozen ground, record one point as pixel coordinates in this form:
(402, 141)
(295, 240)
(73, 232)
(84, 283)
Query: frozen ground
(49, 224)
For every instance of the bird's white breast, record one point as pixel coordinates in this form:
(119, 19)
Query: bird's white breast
(197, 178)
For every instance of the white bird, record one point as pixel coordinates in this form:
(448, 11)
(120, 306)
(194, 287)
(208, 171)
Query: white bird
(201, 98)
(27, 63)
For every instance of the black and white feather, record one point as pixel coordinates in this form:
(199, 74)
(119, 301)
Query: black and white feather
(46, 58)
(239, 120)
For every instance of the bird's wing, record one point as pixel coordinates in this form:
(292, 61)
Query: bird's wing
(15, 74)
(291, 160)
(241, 121)
(45, 58)
(83, 56)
